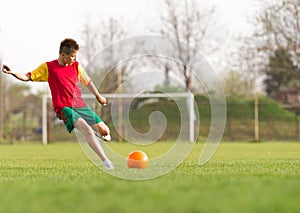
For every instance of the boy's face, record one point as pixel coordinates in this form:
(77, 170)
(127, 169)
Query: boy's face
(69, 59)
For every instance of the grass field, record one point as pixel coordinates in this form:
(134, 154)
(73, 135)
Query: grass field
(241, 177)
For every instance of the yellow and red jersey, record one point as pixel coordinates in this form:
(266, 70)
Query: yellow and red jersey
(63, 82)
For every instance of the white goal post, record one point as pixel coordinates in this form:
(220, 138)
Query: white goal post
(189, 100)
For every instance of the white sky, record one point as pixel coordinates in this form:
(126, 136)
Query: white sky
(31, 30)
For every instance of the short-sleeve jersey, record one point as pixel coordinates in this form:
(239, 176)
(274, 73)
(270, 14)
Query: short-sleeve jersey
(63, 82)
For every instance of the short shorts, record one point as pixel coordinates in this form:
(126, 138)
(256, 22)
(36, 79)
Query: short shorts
(70, 115)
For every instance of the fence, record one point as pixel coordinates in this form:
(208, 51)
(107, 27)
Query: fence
(275, 122)
(129, 116)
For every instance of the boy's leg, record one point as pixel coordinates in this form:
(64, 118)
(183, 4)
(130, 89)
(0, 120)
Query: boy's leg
(95, 122)
(72, 119)
(103, 130)
(87, 131)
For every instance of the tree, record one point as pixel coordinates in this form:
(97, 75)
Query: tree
(277, 37)
(272, 52)
(246, 64)
(280, 72)
(95, 38)
(190, 25)
(236, 84)
(280, 28)
(109, 73)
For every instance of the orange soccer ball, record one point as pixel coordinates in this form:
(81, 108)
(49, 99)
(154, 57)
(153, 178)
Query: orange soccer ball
(137, 159)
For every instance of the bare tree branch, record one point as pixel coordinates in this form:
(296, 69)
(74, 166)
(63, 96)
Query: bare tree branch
(189, 24)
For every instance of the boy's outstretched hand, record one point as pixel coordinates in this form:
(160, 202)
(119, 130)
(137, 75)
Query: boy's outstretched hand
(21, 76)
(6, 69)
(101, 100)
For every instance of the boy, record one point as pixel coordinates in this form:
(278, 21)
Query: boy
(63, 75)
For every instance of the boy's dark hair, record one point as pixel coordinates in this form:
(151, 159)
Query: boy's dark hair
(68, 45)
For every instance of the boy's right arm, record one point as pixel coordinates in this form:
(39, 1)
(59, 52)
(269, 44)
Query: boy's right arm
(20, 76)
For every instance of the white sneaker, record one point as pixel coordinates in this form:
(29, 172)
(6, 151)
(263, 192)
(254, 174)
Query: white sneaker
(108, 165)
(106, 137)
(103, 137)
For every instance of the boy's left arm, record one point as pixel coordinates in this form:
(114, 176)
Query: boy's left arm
(86, 81)
(99, 97)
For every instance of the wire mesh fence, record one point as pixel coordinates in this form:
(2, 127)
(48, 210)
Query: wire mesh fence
(275, 122)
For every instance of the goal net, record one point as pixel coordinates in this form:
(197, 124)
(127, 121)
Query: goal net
(137, 118)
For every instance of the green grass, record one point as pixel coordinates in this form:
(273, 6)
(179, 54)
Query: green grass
(241, 177)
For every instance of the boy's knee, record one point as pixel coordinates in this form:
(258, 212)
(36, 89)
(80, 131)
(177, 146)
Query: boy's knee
(103, 128)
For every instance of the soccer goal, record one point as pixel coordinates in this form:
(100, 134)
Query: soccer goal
(134, 118)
